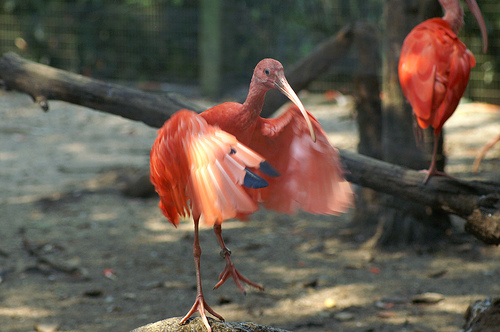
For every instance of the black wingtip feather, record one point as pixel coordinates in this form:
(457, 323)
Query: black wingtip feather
(267, 169)
(254, 181)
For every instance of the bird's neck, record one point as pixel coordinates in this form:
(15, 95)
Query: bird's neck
(453, 14)
(254, 102)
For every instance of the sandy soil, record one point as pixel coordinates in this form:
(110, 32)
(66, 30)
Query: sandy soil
(77, 255)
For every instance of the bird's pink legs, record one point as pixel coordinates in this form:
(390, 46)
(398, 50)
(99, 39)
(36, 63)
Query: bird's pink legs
(230, 270)
(483, 151)
(199, 304)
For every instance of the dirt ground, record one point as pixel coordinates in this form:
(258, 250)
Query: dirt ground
(78, 255)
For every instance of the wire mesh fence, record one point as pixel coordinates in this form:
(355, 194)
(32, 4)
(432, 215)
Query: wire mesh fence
(157, 40)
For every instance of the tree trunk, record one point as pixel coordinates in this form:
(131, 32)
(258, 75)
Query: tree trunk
(369, 120)
(403, 222)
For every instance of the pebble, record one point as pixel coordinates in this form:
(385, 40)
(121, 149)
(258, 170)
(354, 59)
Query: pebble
(384, 305)
(343, 316)
(427, 298)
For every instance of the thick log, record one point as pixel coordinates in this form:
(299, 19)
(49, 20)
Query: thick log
(44, 83)
(19, 74)
(477, 202)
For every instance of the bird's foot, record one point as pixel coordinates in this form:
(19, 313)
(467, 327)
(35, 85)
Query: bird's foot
(434, 172)
(200, 305)
(230, 271)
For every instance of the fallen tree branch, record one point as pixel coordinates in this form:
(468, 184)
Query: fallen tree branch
(477, 202)
(44, 83)
(57, 266)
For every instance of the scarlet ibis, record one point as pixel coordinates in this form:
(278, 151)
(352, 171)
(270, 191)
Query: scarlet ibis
(221, 163)
(434, 68)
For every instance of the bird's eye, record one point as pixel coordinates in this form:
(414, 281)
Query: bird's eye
(267, 72)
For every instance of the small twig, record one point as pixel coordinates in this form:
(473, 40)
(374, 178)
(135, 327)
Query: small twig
(61, 267)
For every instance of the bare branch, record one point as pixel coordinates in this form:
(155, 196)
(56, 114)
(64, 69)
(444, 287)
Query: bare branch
(310, 67)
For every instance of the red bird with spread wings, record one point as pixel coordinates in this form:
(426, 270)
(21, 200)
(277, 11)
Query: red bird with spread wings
(434, 68)
(224, 162)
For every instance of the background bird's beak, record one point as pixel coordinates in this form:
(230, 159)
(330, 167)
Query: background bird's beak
(474, 8)
(285, 88)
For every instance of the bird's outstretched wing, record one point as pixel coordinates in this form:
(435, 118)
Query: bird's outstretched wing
(311, 176)
(434, 69)
(194, 164)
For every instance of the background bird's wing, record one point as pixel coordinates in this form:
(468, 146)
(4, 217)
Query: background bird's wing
(417, 71)
(311, 176)
(195, 163)
(459, 62)
(434, 70)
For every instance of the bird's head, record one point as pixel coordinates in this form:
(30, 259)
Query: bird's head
(269, 74)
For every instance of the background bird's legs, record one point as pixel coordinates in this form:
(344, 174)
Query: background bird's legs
(230, 270)
(433, 169)
(483, 151)
(418, 132)
(199, 303)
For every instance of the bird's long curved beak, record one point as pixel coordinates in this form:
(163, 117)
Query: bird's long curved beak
(285, 88)
(474, 8)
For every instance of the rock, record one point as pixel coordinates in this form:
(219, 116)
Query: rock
(196, 324)
(483, 316)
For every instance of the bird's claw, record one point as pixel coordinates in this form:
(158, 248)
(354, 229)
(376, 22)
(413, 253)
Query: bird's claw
(231, 271)
(200, 305)
(432, 173)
